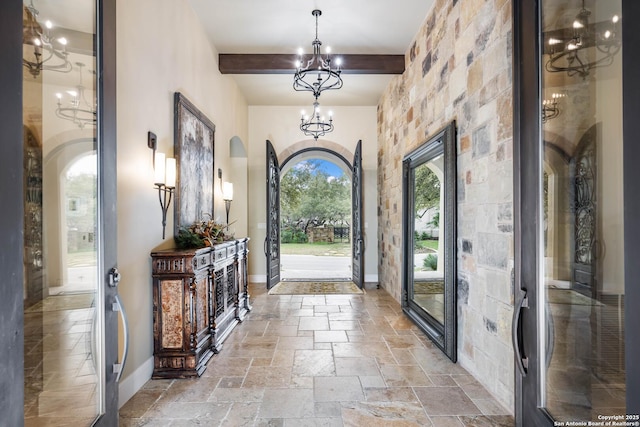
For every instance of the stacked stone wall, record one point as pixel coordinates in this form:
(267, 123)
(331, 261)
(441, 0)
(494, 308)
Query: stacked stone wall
(320, 234)
(459, 67)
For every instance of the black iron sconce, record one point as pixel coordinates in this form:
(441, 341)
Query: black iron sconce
(164, 178)
(227, 193)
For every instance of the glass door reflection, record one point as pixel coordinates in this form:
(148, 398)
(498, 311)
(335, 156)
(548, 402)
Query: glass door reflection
(64, 382)
(429, 238)
(428, 265)
(582, 363)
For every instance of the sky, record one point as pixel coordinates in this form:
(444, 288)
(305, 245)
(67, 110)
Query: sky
(330, 168)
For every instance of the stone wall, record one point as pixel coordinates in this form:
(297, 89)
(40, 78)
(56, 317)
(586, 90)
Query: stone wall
(459, 67)
(320, 234)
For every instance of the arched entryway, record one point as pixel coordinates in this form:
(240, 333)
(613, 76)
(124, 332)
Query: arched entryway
(315, 216)
(330, 153)
(69, 219)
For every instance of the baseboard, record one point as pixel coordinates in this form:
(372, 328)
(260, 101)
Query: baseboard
(134, 382)
(258, 278)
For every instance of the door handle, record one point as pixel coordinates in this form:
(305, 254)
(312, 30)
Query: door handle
(265, 246)
(119, 367)
(522, 361)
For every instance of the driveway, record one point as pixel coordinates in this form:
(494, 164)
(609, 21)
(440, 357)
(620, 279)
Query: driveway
(315, 267)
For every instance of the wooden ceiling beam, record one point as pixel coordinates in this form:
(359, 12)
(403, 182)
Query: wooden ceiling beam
(231, 63)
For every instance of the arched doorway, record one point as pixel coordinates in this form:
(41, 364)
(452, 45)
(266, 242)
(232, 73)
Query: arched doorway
(315, 216)
(275, 173)
(70, 172)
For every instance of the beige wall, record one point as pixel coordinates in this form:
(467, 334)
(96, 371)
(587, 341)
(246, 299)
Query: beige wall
(161, 49)
(280, 125)
(459, 67)
(595, 100)
(610, 196)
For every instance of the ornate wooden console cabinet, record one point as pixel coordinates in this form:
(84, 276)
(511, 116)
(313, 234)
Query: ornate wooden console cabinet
(199, 296)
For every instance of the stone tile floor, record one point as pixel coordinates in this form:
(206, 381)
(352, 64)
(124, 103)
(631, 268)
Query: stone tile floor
(321, 360)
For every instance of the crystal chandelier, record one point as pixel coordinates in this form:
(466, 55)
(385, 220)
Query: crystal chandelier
(315, 125)
(80, 111)
(315, 74)
(46, 56)
(583, 47)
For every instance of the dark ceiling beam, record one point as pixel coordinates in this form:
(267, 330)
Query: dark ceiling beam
(231, 63)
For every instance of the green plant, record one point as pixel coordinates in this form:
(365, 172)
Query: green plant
(435, 221)
(430, 262)
(202, 233)
(424, 235)
(292, 235)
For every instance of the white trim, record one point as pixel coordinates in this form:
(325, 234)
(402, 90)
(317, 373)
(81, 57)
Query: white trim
(371, 278)
(134, 382)
(258, 278)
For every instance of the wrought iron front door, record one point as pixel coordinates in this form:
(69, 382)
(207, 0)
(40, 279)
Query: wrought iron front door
(272, 241)
(356, 212)
(584, 179)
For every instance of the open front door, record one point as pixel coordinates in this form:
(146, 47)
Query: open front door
(575, 330)
(59, 300)
(356, 212)
(272, 241)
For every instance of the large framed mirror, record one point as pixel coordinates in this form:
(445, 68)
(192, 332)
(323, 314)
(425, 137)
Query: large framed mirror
(429, 238)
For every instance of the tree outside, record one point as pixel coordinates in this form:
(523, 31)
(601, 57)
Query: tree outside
(427, 191)
(314, 193)
(311, 197)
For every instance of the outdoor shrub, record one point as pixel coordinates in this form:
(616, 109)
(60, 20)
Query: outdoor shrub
(424, 236)
(431, 262)
(299, 237)
(293, 235)
(286, 236)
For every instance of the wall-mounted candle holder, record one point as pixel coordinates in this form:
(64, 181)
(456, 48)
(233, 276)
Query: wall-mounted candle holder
(165, 182)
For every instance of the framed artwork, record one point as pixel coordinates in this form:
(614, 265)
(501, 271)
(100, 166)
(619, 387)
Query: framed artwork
(193, 149)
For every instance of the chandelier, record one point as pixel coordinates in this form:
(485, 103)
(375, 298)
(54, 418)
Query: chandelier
(80, 111)
(550, 109)
(315, 125)
(46, 56)
(315, 74)
(583, 47)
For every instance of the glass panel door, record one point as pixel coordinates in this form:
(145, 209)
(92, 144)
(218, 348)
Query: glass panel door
(579, 370)
(427, 291)
(581, 278)
(63, 298)
(429, 235)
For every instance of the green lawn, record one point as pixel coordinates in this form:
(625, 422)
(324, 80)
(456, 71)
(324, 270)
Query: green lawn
(423, 246)
(320, 249)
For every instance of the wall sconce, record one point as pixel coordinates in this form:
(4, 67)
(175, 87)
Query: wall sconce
(227, 196)
(164, 179)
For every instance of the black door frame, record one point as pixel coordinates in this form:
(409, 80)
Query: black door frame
(272, 239)
(357, 257)
(11, 215)
(107, 186)
(357, 230)
(527, 158)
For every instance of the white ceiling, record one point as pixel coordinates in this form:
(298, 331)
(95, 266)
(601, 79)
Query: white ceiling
(282, 26)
